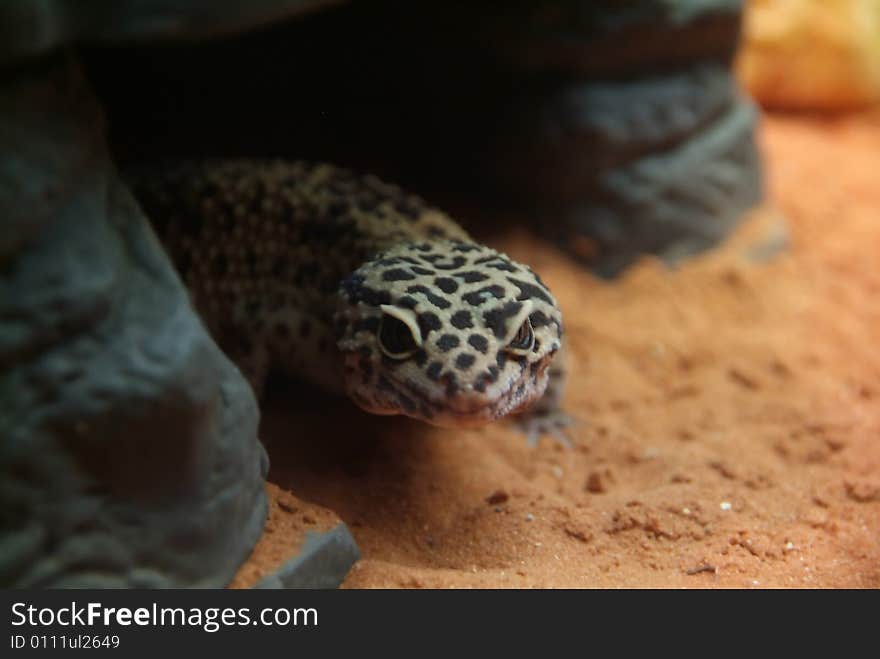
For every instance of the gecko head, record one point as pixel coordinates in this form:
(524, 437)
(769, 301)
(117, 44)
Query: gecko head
(452, 333)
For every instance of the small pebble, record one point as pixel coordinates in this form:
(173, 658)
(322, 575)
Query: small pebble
(595, 483)
(497, 497)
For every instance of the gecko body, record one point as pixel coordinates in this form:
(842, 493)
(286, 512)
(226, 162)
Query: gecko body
(357, 286)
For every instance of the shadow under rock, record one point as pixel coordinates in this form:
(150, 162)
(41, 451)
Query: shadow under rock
(327, 451)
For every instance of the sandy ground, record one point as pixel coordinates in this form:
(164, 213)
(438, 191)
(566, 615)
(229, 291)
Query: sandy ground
(727, 419)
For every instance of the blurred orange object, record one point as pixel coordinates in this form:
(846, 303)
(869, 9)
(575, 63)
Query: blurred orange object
(811, 54)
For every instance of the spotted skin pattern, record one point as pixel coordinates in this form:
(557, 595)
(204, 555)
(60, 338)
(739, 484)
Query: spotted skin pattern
(312, 270)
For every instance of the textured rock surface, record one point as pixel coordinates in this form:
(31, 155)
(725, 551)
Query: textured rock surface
(33, 27)
(803, 54)
(323, 562)
(128, 448)
(662, 164)
(631, 134)
(617, 126)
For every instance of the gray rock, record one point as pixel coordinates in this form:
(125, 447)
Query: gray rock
(608, 38)
(618, 127)
(35, 27)
(323, 562)
(628, 134)
(669, 198)
(128, 447)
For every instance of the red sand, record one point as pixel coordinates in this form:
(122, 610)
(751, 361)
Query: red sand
(728, 420)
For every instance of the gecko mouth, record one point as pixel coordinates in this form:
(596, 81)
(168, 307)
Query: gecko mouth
(467, 408)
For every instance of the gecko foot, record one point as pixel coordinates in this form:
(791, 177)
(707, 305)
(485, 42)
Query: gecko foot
(555, 423)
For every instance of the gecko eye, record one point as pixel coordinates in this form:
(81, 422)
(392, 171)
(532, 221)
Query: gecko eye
(524, 340)
(396, 338)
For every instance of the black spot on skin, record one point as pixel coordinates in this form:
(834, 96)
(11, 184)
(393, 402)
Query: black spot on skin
(530, 291)
(428, 322)
(436, 300)
(422, 271)
(496, 319)
(455, 264)
(479, 343)
(305, 329)
(420, 357)
(446, 284)
(462, 320)
(447, 342)
(407, 302)
(480, 385)
(464, 361)
(539, 319)
(353, 288)
(493, 373)
(397, 274)
(434, 371)
(501, 359)
(471, 276)
(476, 298)
(465, 247)
(407, 259)
(392, 261)
(485, 259)
(505, 266)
